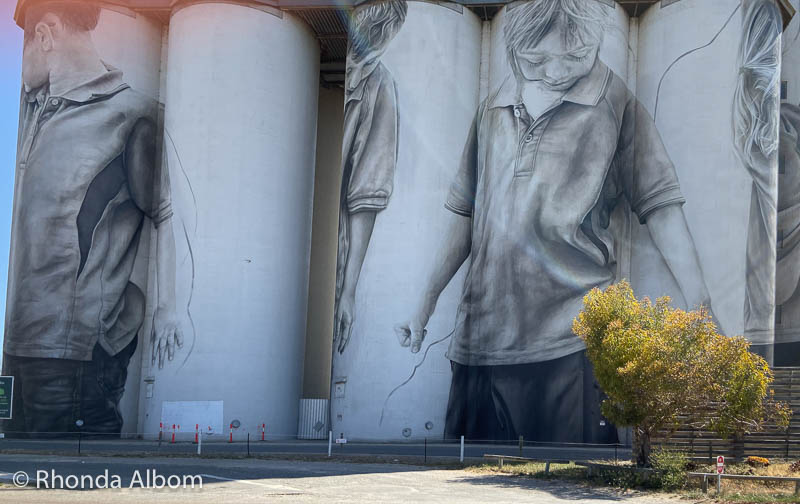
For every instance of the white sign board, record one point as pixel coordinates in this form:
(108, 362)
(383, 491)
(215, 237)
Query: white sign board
(187, 414)
(720, 464)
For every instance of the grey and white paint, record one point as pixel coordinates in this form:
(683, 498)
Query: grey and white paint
(239, 171)
(661, 217)
(755, 134)
(787, 277)
(538, 234)
(369, 148)
(89, 186)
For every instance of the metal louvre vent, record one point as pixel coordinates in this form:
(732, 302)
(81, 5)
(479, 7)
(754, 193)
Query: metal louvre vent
(637, 7)
(330, 26)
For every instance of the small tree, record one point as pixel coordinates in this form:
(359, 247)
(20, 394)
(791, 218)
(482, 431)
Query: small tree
(658, 364)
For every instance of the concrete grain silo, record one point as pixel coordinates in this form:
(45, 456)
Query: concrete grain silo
(240, 130)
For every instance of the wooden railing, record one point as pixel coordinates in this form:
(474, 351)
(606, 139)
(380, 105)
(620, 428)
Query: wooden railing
(772, 442)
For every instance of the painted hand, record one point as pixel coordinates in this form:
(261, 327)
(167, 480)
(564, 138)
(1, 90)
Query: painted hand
(345, 317)
(166, 336)
(412, 333)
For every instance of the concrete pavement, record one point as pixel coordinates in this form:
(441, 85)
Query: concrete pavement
(254, 480)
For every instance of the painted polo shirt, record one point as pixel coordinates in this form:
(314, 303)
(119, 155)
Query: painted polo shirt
(540, 194)
(369, 150)
(87, 175)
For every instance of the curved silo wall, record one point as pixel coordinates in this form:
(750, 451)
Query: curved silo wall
(103, 108)
(787, 297)
(428, 86)
(688, 81)
(240, 131)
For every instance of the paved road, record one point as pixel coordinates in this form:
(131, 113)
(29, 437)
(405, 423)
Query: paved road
(253, 480)
(412, 449)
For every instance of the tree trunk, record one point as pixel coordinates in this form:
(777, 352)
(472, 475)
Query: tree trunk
(641, 447)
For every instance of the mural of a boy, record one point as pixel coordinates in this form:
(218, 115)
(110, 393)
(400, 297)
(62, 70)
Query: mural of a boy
(87, 177)
(549, 155)
(369, 148)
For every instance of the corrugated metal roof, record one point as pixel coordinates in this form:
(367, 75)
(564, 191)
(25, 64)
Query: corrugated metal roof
(330, 25)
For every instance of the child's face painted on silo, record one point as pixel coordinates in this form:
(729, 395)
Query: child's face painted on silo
(373, 37)
(559, 60)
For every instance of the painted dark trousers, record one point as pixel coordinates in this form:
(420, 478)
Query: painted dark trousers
(50, 395)
(556, 401)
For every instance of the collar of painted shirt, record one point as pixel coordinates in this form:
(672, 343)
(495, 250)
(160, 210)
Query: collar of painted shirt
(588, 90)
(106, 84)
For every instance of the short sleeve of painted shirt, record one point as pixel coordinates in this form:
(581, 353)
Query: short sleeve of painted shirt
(373, 156)
(461, 198)
(646, 173)
(147, 175)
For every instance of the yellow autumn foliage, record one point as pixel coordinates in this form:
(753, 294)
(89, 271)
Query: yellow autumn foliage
(659, 364)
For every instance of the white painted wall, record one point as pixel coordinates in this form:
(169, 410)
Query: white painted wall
(694, 119)
(242, 89)
(435, 60)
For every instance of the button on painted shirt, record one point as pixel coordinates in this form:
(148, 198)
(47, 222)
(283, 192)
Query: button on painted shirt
(540, 193)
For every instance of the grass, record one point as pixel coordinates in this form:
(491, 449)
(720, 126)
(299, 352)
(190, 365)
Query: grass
(751, 491)
(733, 491)
(534, 470)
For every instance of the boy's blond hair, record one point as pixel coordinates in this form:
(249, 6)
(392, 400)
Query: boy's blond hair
(372, 26)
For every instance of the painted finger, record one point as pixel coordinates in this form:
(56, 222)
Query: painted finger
(344, 330)
(178, 337)
(403, 334)
(162, 343)
(337, 321)
(417, 337)
(347, 332)
(154, 347)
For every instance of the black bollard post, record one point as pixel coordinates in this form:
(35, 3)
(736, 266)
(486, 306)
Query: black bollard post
(426, 451)
(79, 424)
(248, 445)
(521, 442)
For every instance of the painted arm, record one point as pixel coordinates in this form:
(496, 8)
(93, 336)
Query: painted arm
(670, 233)
(449, 258)
(361, 225)
(167, 334)
(149, 187)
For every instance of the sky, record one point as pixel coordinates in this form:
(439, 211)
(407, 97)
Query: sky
(10, 71)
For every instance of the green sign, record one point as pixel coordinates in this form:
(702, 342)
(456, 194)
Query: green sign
(6, 395)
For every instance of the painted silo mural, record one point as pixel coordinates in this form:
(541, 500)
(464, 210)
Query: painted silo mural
(787, 311)
(592, 155)
(91, 199)
(493, 170)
